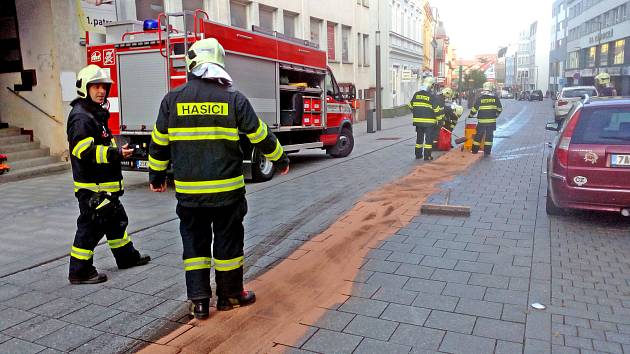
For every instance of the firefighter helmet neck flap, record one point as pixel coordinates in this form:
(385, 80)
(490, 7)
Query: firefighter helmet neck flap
(92, 74)
(205, 51)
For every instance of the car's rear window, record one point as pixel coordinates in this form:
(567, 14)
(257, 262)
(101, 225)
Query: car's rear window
(578, 93)
(606, 126)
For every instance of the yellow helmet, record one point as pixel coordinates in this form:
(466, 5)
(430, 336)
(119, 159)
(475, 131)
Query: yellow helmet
(602, 79)
(91, 74)
(448, 92)
(488, 86)
(205, 51)
(428, 81)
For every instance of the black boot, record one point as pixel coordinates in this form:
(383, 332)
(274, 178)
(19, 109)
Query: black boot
(200, 308)
(140, 261)
(247, 297)
(95, 278)
(428, 158)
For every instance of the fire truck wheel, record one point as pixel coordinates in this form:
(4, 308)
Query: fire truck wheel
(262, 168)
(345, 144)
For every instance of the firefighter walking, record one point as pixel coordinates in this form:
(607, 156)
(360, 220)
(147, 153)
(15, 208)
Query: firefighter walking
(487, 107)
(425, 109)
(197, 129)
(98, 181)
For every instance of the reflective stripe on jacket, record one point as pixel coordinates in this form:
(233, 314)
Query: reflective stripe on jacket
(425, 109)
(199, 128)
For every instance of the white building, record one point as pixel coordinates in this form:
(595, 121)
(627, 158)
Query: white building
(533, 57)
(402, 50)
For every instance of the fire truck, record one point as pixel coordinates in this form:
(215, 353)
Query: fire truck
(286, 80)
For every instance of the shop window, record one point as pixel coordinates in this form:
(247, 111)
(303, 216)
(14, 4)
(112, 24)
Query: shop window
(619, 51)
(603, 55)
(10, 55)
(592, 51)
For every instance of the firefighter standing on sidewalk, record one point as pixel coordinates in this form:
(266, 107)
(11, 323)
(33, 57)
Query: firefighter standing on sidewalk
(604, 86)
(198, 130)
(487, 107)
(425, 109)
(98, 182)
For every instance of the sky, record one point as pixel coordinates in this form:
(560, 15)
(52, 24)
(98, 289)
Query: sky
(482, 27)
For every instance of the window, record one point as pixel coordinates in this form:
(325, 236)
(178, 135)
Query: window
(366, 50)
(331, 40)
(191, 5)
(359, 47)
(146, 9)
(603, 126)
(10, 54)
(603, 55)
(592, 51)
(238, 14)
(316, 28)
(345, 43)
(619, 51)
(266, 16)
(574, 60)
(289, 23)
(366, 3)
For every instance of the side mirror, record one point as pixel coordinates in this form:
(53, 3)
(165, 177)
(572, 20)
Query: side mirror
(553, 126)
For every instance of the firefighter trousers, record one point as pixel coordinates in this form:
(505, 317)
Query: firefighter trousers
(91, 227)
(485, 135)
(424, 140)
(213, 235)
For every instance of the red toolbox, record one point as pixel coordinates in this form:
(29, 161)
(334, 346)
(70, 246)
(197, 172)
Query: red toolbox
(444, 140)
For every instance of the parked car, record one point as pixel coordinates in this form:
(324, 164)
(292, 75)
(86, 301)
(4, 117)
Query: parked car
(523, 96)
(536, 95)
(568, 96)
(589, 166)
(506, 94)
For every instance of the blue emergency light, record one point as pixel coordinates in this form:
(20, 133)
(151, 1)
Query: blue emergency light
(150, 25)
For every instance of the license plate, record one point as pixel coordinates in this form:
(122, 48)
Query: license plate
(142, 164)
(620, 160)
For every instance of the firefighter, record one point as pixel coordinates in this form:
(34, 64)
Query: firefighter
(441, 105)
(487, 107)
(198, 130)
(425, 108)
(98, 181)
(450, 116)
(604, 86)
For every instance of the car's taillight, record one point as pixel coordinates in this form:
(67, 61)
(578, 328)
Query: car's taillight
(562, 103)
(562, 150)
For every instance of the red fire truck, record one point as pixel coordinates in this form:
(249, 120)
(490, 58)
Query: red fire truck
(287, 81)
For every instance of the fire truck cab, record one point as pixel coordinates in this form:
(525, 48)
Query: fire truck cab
(286, 80)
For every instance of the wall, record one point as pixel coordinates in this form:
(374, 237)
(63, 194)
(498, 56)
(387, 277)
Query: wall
(40, 23)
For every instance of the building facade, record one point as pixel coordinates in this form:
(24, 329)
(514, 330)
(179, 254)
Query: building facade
(558, 48)
(598, 40)
(532, 72)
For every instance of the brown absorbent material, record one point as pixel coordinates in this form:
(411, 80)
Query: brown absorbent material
(318, 276)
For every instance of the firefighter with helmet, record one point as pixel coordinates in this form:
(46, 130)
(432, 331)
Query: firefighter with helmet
(425, 109)
(487, 107)
(197, 129)
(604, 86)
(98, 181)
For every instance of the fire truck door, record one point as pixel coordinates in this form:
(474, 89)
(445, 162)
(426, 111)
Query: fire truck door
(257, 80)
(142, 85)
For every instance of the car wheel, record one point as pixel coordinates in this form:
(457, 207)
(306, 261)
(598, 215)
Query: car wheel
(345, 144)
(551, 208)
(262, 168)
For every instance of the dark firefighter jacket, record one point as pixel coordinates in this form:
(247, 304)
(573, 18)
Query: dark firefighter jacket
(425, 108)
(93, 152)
(441, 102)
(488, 107)
(198, 129)
(450, 118)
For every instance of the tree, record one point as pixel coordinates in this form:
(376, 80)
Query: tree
(477, 77)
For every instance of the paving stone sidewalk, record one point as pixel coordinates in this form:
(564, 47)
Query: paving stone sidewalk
(464, 285)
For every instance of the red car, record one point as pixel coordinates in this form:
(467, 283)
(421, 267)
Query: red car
(589, 167)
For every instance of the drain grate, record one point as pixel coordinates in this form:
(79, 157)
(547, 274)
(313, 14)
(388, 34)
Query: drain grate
(389, 138)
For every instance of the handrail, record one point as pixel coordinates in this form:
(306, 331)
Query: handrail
(34, 106)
